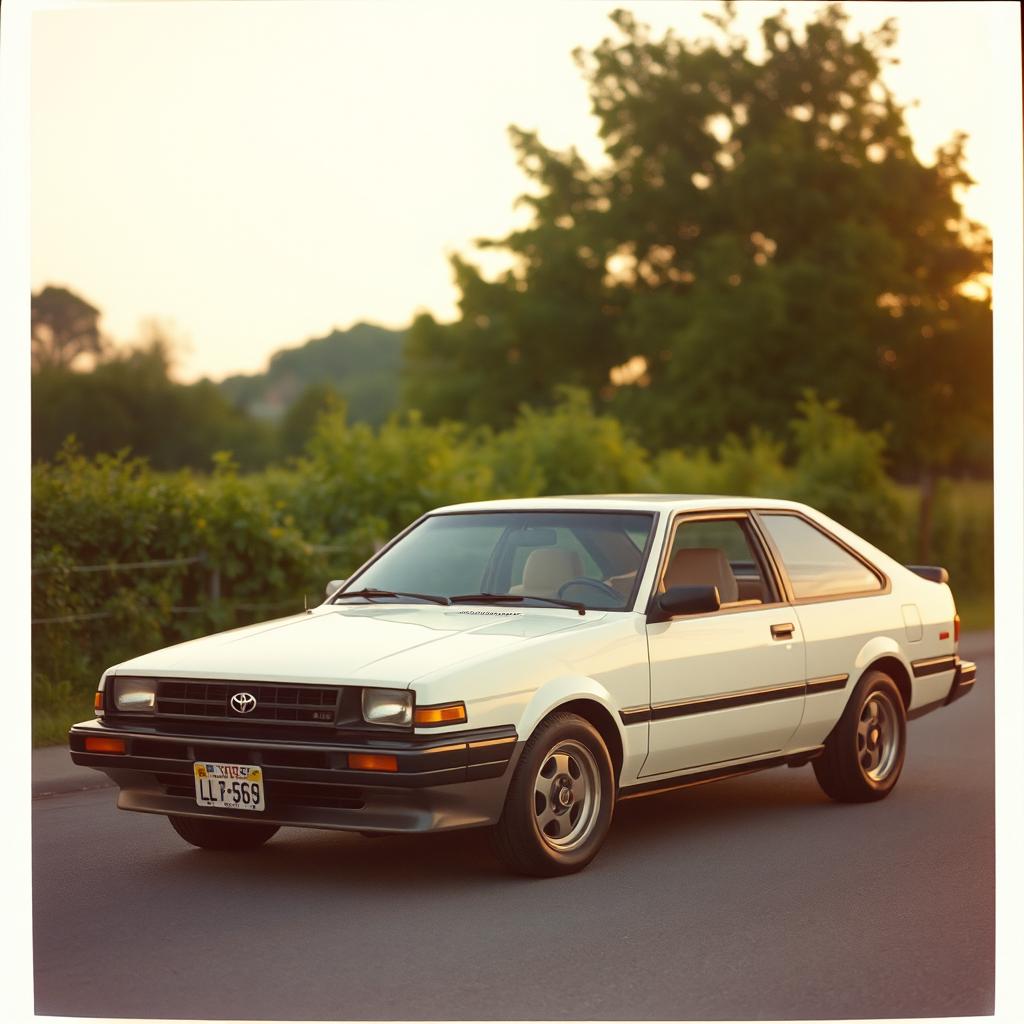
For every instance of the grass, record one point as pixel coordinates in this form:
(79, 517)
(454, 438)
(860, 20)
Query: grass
(53, 713)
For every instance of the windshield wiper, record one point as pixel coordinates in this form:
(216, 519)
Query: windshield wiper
(495, 598)
(371, 592)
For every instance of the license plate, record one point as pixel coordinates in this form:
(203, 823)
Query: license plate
(238, 787)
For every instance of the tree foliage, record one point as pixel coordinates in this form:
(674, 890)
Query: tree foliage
(761, 225)
(360, 364)
(128, 398)
(64, 329)
(299, 423)
(130, 401)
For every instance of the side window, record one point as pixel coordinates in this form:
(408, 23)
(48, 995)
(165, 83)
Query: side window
(816, 564)
(717, 552)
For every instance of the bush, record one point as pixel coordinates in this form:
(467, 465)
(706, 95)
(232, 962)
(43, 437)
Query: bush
(219, 534)
(836, 467)
(91, 512)
(356, 487)
(565, 450)
(962, 537)
(737, 468)
(840, 469)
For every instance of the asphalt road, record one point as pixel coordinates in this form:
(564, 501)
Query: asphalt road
(752, 898)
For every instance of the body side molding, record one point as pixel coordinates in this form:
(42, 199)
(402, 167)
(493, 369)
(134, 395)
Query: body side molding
(823, 684)
(932, 666)
(739, 698)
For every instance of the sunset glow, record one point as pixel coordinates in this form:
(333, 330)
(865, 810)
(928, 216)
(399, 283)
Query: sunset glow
(254, 174)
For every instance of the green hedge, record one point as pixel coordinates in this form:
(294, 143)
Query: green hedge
(252, 546)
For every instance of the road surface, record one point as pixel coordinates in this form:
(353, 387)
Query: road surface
(752, 898)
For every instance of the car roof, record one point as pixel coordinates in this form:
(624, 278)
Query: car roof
(624, 502)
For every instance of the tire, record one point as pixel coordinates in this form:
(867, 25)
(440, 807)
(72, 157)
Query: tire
(560, 801)
(864, 753)
(214, 834)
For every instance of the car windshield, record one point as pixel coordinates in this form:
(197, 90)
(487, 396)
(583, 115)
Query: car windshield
(588, 559)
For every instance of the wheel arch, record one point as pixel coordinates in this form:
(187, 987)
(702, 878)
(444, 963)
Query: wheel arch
(603, 721)
(591, 701)
(884, 654)
(897, 671)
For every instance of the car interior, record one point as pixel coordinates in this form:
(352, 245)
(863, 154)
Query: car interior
(704, 553)
(598, 561)
(547, 570)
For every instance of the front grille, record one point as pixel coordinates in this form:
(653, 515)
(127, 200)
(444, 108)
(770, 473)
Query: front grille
(307, 705)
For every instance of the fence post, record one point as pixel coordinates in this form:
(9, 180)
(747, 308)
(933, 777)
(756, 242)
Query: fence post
(213, 585)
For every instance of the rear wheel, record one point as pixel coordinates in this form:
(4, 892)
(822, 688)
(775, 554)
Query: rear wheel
(864, 753)
(559, 804)
(213, 834)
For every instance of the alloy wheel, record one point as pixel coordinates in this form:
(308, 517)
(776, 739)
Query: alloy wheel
(567, 795)
(878, 737)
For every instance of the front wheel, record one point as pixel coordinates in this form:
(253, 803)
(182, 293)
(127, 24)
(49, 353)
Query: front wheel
(864, 753)
(559, 804)
(214, 834)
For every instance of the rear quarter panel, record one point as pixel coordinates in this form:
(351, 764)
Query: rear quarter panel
(848, 636)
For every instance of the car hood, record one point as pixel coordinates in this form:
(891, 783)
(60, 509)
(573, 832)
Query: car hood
(362, 643)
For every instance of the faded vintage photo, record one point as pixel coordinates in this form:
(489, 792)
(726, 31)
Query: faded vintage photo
(512, 510)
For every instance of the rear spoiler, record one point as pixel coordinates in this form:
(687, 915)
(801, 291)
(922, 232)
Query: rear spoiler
(935, 573)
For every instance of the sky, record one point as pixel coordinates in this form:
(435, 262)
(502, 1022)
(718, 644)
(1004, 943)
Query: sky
(255, 174)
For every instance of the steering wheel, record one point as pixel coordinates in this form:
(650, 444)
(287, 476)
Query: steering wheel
(598, 585)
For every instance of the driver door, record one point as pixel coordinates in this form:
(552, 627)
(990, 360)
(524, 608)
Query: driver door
(725, 685)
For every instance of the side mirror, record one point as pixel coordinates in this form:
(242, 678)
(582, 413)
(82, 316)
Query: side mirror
(684, 601)
(334, 586)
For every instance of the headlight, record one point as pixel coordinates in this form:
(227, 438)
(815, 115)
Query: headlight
(387, 707)
(135, 694)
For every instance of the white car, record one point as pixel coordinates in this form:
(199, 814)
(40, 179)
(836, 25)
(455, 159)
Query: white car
(525, 664)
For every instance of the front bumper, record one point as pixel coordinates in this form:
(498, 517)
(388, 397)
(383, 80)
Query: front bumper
(442, 782)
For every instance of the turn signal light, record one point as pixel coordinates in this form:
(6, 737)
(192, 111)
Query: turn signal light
(104, 745)
(447, 714)
(97, 701)
(373, 762)
(956, 628)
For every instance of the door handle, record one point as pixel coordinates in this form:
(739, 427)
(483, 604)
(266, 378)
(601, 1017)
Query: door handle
(782, 631)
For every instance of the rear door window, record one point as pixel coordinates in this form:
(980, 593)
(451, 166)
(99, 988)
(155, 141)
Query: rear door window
(817, 565)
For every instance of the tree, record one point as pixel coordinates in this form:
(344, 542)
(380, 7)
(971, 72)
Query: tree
(361, 364)
(64, 328)
(761, 226)
(299, 422)
(130, 401)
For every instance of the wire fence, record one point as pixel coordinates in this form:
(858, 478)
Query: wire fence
(73, 618)
(168, 563)
(156, 563)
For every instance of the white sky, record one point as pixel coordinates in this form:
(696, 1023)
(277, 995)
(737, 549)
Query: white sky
(256, 174)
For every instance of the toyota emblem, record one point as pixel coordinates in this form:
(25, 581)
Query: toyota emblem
(243, 703)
